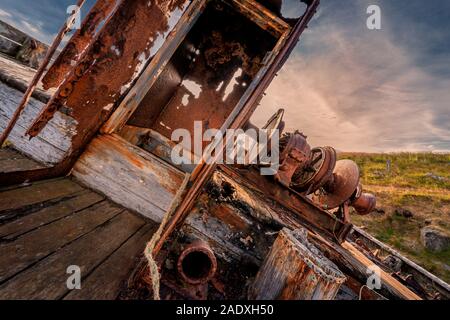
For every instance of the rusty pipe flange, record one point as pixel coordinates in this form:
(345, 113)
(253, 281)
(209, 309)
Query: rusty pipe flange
(318, 172)
(197, 263)
(340, 187)
(364, 204)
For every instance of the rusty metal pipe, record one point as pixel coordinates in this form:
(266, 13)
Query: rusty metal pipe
(197, 263)
(364, 204)
(51, 51)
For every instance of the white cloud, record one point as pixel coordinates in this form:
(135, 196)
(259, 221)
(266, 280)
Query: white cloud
(4, 14)
(358, 90)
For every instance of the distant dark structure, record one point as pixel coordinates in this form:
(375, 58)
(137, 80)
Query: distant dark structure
(20, 46)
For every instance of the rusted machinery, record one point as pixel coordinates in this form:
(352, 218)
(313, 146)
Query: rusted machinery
(138, 77)
(316, 172)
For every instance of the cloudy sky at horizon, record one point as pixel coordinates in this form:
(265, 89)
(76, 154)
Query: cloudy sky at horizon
(344, 85)
(372, 91)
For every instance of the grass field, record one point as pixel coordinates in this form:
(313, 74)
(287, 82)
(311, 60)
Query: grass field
(416, 182)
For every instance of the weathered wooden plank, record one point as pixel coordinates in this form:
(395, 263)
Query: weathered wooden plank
(422, 276)
(295, 270)
(133, 134)
(8, 153)
(34, 246)
(19, 164)
(104, 283)
(47, 215)
(11, 160)
(36, 193)
(162, 147)
(51, 144)
(264, 18)
(129, 176)
(387, 280)
(48, 278)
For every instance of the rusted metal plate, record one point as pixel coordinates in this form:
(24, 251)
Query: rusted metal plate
(154, 69)
(227, 59)
(113, 61)
(110, 66)
(79, 42)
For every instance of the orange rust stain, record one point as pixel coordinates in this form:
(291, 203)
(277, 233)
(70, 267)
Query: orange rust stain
(227, 214)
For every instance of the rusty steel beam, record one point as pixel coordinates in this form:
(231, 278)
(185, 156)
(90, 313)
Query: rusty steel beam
(311, 216)
(34, 82)
(79, 42)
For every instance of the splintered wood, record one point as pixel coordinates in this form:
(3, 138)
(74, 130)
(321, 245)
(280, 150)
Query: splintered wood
(295, 270)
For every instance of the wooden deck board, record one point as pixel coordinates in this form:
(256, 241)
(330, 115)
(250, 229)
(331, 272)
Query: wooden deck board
(47, 279)
(15, 199)
(11, 161)
(82, 229)
(47, 215)
(33, 246)
(105, 282)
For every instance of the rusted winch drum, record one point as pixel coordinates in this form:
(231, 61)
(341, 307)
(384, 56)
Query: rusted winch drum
(197, 263)
(318, 171)
(344, 186)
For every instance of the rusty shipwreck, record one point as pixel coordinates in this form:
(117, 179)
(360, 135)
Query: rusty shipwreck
(86, 175)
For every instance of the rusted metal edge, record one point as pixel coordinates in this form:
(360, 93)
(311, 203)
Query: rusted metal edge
(260, 15)
(238, 118)
(60, 97)
(51, 51)
(78, 43)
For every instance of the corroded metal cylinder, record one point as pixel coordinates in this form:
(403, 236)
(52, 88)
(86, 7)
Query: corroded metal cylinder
(197, 263)
(364, 204)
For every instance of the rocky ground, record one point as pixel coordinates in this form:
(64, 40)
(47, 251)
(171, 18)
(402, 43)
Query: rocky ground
(413, 209)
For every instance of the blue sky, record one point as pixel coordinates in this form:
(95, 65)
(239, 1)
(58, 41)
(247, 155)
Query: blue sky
(344, 85)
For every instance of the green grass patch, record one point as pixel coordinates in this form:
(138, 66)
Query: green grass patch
(419, 182)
